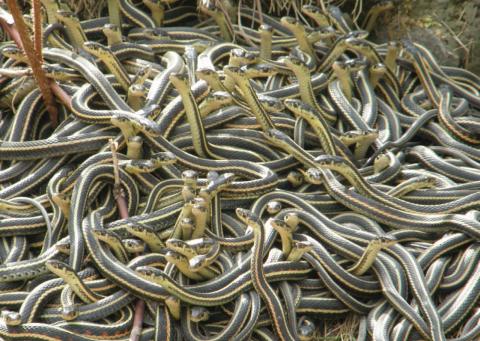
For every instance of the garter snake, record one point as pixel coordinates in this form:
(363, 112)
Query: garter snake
(195, 149)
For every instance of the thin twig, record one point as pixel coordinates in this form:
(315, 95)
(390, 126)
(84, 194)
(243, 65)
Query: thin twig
(37, 29)
(116, 172)
(455, 37)
(137, 320)
(123, 212)
(61, 95)
(117, 186)
(240, 27)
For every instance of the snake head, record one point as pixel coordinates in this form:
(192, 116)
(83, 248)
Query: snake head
(200, 45)
(429, 181)
(294, 62)
(313, 176)
(321, 33)
(57, 267)
(394, 44)
(196, 262)
(232, 71)
(63, 246)
(330, 161)
(104, 234)
(65, 14)
(221, 96)
(327, 31)
(199, 210)
(357, 44)
(275, 135)
(303, 245)
(294, 104)
(110, 27)
(175, 244)
(144, 71)
(208, 5)
(357, 34)
(12, 52)
(203, 244)
(50, 69)
(138, 166)
(135, 227)
(288, 21)
(189, 176)
(246, 216)
(212, 176)
(164, 158)
(292, 220)
(262, 69)
(266, 28)
(238, 53)
(199, 314)
(249, 57)
(387, 240)
(378, 68)
(133, 246)
(120, 118)
(145, 114)
(137, 90)
(225, 178)
(355, 64)
(70, 312)
(205, 72)
(93, 46)
(215, 184)
(180, 80)
(352, 134)
(273, 207)
(150, 272)
(381, 162)
(279, 225)
(173, 256)
(187, 222)
(11, 318)
(271, 104)
(295, 178)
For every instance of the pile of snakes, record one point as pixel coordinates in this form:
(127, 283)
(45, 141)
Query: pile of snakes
(280, 175)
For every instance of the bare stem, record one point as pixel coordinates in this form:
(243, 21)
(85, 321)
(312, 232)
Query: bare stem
(37, 29)
(34, 61)
(123, 211)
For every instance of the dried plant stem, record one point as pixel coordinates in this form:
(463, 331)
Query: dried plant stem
(37, 29)
(35, 62)
(117, 187)
(138, 320)
(123, 211)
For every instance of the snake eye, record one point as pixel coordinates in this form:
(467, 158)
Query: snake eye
(145, 271)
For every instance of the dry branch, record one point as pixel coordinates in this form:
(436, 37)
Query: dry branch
(33, 59)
